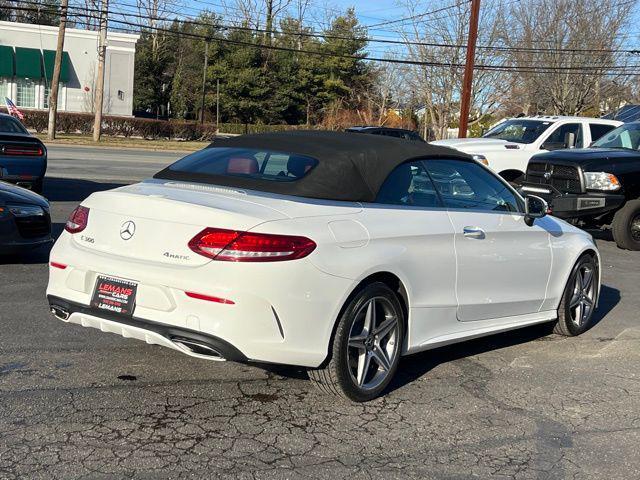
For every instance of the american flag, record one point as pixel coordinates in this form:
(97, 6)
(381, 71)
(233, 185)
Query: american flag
(13, 110)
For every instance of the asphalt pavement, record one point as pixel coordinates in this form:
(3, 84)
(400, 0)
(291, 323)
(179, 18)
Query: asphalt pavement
(78, 403)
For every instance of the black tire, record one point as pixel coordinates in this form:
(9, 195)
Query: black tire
(626, 226)
(336, 377)
(566, 323)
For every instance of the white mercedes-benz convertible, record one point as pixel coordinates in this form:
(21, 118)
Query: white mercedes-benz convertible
(332, 251)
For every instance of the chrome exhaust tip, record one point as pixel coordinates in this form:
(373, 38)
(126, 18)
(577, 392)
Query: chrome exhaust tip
(60, 313)
(196, 347)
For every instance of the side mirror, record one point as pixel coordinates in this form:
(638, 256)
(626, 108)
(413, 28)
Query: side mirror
(569, 140)
(534, 207)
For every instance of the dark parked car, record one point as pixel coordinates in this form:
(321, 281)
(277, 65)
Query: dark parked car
(387, 132)
(594, 187)
(23, 158)
(25, 222)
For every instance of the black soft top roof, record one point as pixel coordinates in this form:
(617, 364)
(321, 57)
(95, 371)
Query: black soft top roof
(351, 167)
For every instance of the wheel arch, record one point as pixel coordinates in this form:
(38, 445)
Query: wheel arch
(393, 281)
(587, 250)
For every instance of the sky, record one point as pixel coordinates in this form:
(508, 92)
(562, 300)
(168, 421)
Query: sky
(372, 11)
(369, 11)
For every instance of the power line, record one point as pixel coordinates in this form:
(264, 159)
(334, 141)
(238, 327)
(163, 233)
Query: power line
(584, 70)
(420, 15)
(193, 21)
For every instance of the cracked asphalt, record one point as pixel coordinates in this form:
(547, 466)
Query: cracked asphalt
(77, 403)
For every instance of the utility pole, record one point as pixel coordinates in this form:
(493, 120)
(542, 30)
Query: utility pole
(467, 82)
(217, 104)
(55, 80)
(102, 51)
(204, 78)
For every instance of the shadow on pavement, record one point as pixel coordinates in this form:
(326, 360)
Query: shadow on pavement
(609, 298)
(601, 234)
(73, 189)
(415, 366)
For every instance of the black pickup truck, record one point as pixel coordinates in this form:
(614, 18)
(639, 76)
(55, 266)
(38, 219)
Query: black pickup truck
(594, 187)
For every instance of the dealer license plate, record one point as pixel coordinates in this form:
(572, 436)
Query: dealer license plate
(114, 295)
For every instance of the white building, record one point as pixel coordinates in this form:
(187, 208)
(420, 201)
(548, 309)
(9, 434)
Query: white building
(27, 54)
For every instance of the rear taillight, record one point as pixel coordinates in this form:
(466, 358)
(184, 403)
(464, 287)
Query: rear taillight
(20, 150)
(234, 246)
(78, 219)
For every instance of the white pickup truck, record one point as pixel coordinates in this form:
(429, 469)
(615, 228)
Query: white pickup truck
(509, 145)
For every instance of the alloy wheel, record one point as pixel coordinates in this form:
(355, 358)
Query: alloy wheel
(373, 343)
(582, 300)
(635, 228)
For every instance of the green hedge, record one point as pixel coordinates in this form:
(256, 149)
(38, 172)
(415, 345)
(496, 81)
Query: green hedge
(82, 123)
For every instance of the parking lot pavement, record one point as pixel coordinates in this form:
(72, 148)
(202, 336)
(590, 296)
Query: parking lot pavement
(77, 403)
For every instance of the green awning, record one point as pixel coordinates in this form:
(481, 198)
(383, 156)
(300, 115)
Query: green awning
(7, 68)
(28, 63)
(49, 61)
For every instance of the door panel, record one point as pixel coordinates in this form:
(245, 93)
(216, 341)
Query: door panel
(502, 272)
(503, 265)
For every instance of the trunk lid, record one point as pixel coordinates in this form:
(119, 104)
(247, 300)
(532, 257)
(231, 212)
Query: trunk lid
(154, 221)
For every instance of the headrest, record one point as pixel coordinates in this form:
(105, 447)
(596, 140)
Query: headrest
(242, 166)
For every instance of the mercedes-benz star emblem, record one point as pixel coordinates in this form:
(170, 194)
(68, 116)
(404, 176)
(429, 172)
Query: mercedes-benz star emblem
(127, 230)
(547, 175)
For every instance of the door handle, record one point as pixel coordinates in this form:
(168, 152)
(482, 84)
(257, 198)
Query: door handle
(473, 232)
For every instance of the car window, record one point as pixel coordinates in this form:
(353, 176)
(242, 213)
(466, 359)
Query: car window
(467, 185)
(625, 136)
(518, 130)
(598, 130)
(11, 125)
(409, 184)
(559, 135)
(243, 162)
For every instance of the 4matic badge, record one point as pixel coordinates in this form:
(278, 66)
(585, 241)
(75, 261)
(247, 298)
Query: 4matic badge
(127, 230)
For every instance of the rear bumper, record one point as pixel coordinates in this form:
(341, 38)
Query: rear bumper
(193, 343)
(575, 205)
(16, 169)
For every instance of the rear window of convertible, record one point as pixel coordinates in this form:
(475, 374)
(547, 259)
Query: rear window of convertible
(247, 163)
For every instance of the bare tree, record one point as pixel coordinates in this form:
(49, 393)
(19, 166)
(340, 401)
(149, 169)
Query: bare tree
(253, 13)
(383, 96)
(438, 79)
(153, 13)
(567, 54)
(86, 14)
